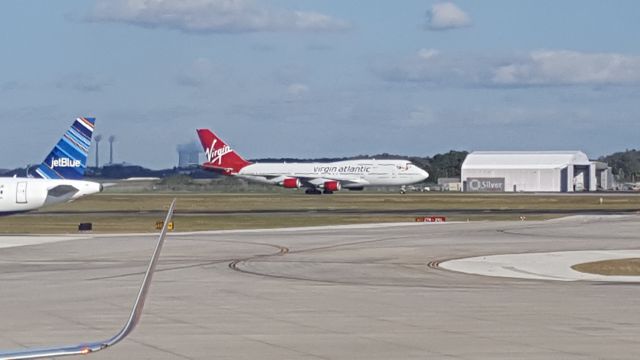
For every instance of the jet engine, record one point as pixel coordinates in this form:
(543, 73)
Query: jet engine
(291, 183)
(332, 186)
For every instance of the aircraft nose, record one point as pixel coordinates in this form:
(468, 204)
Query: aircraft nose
(424, 174)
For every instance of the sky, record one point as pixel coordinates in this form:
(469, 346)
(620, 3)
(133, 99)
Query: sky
(320, 78)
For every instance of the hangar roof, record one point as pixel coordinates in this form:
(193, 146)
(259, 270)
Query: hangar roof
(524, 159)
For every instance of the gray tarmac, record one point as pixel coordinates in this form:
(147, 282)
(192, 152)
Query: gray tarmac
(326, 293)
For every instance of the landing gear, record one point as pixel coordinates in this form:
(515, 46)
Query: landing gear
(403, 189)
(316, 191)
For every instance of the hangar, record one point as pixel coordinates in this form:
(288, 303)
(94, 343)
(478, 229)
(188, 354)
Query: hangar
(512, 171)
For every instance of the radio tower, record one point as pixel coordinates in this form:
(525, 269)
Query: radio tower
(97, 138)
(112, 138)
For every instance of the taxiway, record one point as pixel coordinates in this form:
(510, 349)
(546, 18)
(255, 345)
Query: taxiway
(353, 292)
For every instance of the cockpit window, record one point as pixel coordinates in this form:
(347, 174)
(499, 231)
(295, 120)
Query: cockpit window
(405, 166)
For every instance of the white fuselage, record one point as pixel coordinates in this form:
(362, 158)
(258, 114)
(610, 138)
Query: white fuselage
(350, 173)
(26, 194)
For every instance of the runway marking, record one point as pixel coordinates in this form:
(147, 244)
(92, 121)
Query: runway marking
(236, 266)
(433, 264)
(282, 250)
(201, 263)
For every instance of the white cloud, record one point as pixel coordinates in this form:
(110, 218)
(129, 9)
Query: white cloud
(297, 89)
(445, 16)
(430, 66)
(570, 68)
(212, 16)
(538, 68)
(427, 54)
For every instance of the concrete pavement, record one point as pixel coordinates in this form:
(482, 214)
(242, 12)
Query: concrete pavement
(347, 293)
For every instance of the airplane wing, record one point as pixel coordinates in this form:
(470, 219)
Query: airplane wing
(134, 318)
(62, 190)
(315, 181)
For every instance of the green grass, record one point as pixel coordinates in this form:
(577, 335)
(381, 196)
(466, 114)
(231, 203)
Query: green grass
(48, 224)
(118, 212)
(193, 202)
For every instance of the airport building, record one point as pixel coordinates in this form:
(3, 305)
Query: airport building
(449, 184)
(531, 171)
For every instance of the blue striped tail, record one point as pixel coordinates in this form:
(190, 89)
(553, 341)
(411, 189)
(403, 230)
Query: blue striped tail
(68, 159)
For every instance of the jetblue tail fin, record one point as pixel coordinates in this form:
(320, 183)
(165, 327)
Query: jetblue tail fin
(68, 159)
(220, 157)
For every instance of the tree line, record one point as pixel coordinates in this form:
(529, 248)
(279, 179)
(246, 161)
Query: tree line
(625, 165)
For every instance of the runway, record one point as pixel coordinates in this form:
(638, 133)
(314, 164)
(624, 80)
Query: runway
(353, 292)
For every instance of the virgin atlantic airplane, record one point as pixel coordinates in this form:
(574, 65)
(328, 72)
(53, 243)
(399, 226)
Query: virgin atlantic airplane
(316, 178)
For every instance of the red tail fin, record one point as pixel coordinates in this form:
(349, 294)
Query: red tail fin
(219, 155)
